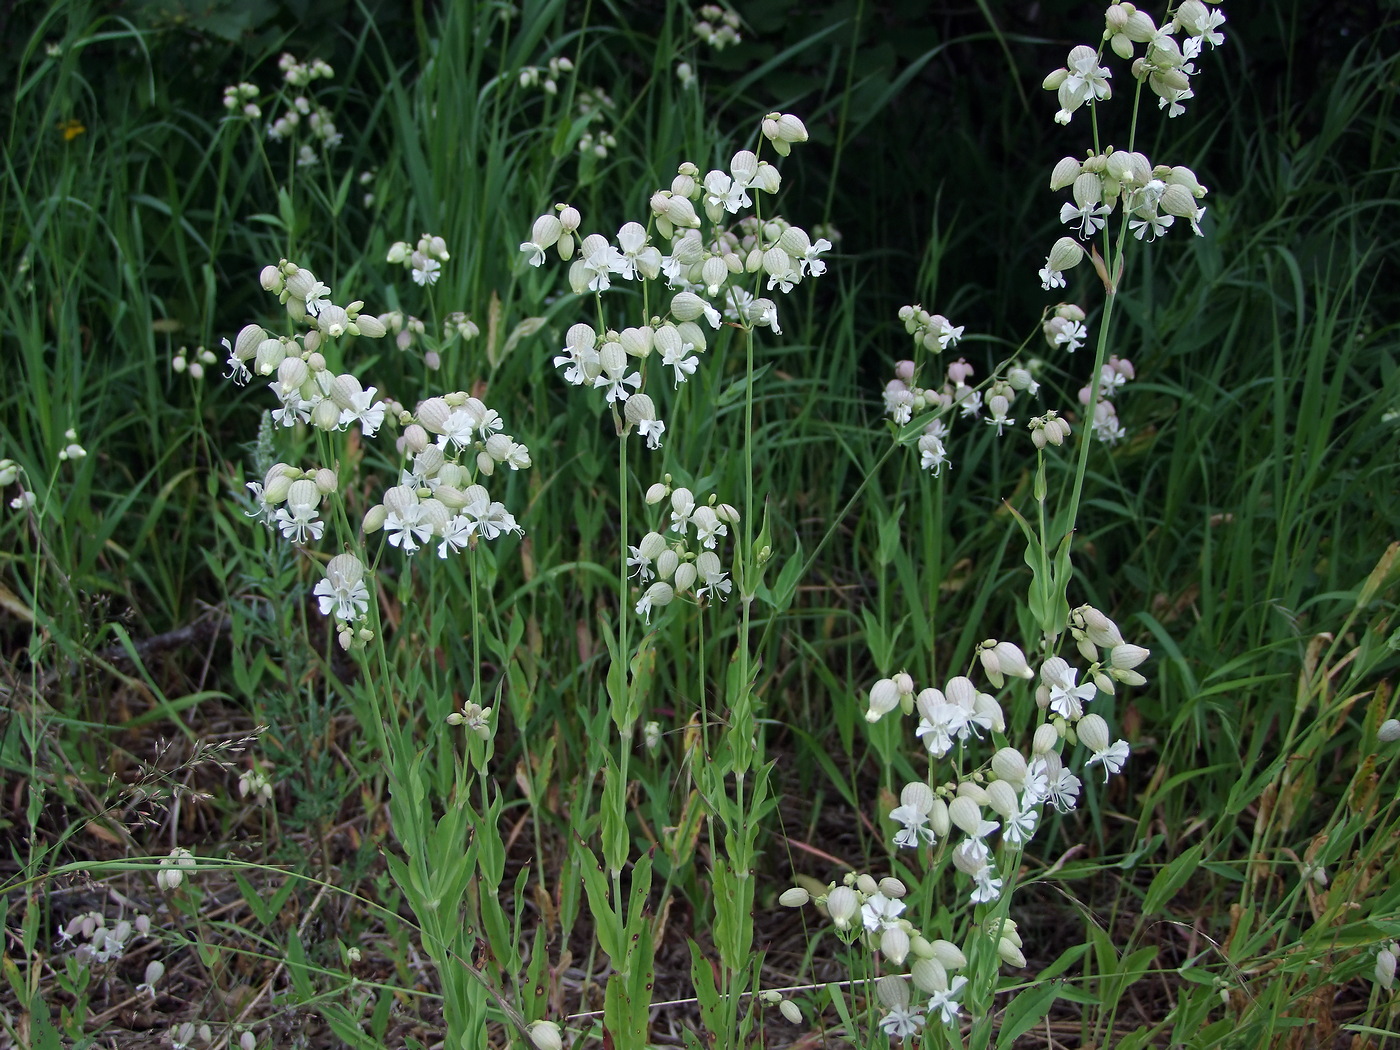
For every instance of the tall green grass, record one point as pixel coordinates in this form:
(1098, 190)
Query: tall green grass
(1233, 532)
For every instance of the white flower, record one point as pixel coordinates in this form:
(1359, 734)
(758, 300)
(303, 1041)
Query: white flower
(154, 972)
(635, 255)
(722, 194)
(616, 380)
(298, 520)
(364, 409)
(343, 589)
(933, 455)
(1020, 826)
(1112, 758)
(424, 270)
(456, 534)
(944, 1004)
(490, 519)
(316, 298)
(915, 827)
(880, 912)
(1066, 699)
(901, 1022)
(940, 722)
(652, 429)
(1150, 226)
(406, 528)
(676, 359)
(1062, 789)
(656, 596)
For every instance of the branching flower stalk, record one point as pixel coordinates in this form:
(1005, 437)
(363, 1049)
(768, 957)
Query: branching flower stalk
(709, 277)
(946, 819)
(449, 447)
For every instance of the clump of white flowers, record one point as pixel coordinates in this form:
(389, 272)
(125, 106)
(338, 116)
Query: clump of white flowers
(172, 869)
(242, 100)
(717, 27)
(984, 799)
(193, 362)
(715, 262)
(548, 77)
(904, 397)
(302, 111)
(1150, 198)
(423, 260)
(682, 557)
(95, 940)
(450, 443)
(870, 912)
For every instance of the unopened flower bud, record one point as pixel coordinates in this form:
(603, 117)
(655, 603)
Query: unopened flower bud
(795, 897)
(545, 1035)
(1093, 732)
(1010, 765)
(938, 818)
(1385, 968)
(1010, 954)
(963, 812)
(842, 906)
(1001, 796)
(1046, 739)
(1066, 171)
(1065, 254)
(884, 698)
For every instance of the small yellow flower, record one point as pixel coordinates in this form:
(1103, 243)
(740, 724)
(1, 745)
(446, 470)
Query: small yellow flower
(72, 129)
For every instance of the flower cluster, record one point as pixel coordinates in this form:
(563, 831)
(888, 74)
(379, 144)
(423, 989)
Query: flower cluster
(547, 78)
(860, 908)
(300, 112)
(717, 27)
(182, 363)
(904, 397)
(1013, 786)
(289, 500)
(1113, 374)
(309, 392)
(255, 785)
(439, 495)
(595, 106)
(679, 569)
(1152, 197)
(1165, 65)
(242, 99)
(423, 261)
(450, 442)
(96, 942)
(172, 869)
(702, 271)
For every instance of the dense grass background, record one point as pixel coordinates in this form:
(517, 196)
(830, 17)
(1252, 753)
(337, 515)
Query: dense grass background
(149, 630)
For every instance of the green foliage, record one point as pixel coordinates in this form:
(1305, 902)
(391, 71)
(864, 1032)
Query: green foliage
(159, 646)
